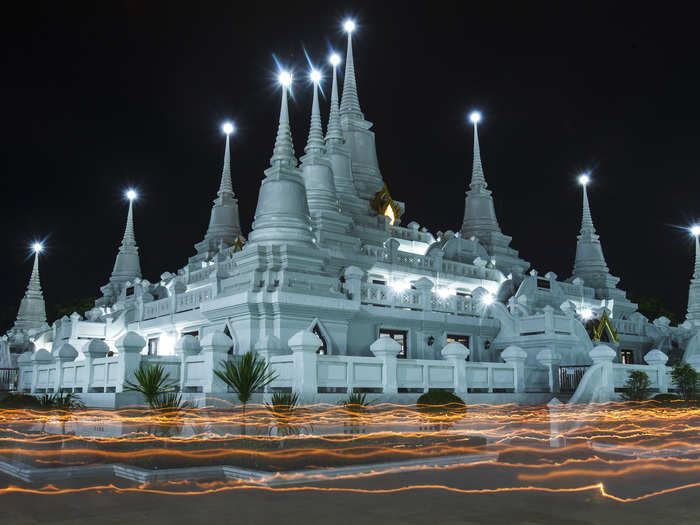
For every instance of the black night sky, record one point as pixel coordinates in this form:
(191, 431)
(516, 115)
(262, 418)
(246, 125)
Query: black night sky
(102, 97)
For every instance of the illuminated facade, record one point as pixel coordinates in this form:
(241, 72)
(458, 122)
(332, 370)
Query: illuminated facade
(328, 256)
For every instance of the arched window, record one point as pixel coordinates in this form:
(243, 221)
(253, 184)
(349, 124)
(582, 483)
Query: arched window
(323, 349)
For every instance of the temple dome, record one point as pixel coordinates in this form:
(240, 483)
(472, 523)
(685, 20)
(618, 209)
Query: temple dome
(458, 249)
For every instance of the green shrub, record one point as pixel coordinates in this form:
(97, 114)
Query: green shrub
(685, 378)
(152, 381)
(170, 401)
(246, 374)
(637, 386)
(441, 402)
(356, 402)
(283, 404)
(666, 398)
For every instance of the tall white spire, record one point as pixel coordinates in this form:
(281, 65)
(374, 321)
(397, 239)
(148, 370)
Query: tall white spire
(350, 105)
(334, 133)
(283, 152)
(32, 309)
(282, 214)
(315, 144)
(479, 211)
(478, 179)
(590, 262)
(693, 314)
(224, 223)
(127, 265)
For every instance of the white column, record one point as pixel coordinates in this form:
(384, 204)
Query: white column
(456, 353)
(515, 356)
(551, 359)
(129, 347)
(386, 349)
(304, 345)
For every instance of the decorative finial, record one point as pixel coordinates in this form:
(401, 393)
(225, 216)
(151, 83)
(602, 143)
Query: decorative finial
(334, 132)
(475, 117)
(283, 152)
(315, 142)
(334, 59)
(349, 26)
(350, 105)
(37, 247)
(228, 128)
(584, 179)
(130, 194)
(695, 230)
(285, 78)
(586, 217)
(226, 185)
(478, 181)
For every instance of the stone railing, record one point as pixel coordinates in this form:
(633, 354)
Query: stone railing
(302, 370)
(625, 327)
(424, 300)
(178, 303)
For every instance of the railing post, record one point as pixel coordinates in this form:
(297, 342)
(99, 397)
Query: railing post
(551, 359)
(515, 356)
(604, 355)
(424, 286)
(23, 361)
(186, 346)
(353, 283)
(657, 359)
(40, 357)
(64, 354)
(129, 346)
(304, 345)
(386, 349)
(215, 347)
(456, 353)
(94, 349)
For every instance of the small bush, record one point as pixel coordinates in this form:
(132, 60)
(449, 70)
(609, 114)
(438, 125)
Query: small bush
(283, 404)
(170, 401)
(666, 398)
(685, 378)
(637, 386)
(356, 402)
(61, 401)
(441, 402)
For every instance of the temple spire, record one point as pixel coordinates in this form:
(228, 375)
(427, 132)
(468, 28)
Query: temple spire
(586, 218)
(350, 105)
(693, 313)
(478, 179)
(226, 186)
(127, 265)
(314, 144)
(283, 152)
(479, 212)
(32, 310)
(224, 223)
(334, 133)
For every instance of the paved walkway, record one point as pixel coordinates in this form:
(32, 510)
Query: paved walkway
(430, 506)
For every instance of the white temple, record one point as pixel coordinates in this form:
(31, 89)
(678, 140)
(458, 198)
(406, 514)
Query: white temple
(328, 266)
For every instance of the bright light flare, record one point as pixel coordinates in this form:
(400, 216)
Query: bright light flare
(586, 314)
(475, 117)
(584, 179)
(444, 292)
(37, 247)
(695, 230)
(334, 59)
(400, 286)
(285, 78)
(227, 128)
(131, 194)
(488, 299)
(315, 76)
(349, 26)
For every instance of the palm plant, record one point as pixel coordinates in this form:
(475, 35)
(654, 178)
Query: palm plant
(356, 403)
(152, 381)
(245, 374)
(284, 406)
(170, 401)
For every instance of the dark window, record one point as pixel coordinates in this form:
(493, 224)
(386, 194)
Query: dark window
(400, 336)
(626, 357)
(227, 333)
(193, 333)
(153, 345)
(544, 283)
(323, 349)
(463, 294)
(462, 339)
(378, 281)
(130, 291)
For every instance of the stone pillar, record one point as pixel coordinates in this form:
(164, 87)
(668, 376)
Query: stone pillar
(386, 349)
(94, 349)
(185, 347)
(215, 347)
(39, 358)
(551, 359)
(425, 287)
(548, 320)
(456, 353)
(24, 362)
(604, 355)
(657, 359)
(304, 345)
(64, 354)
(515, 356)
(129, 347)
(353, 282)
